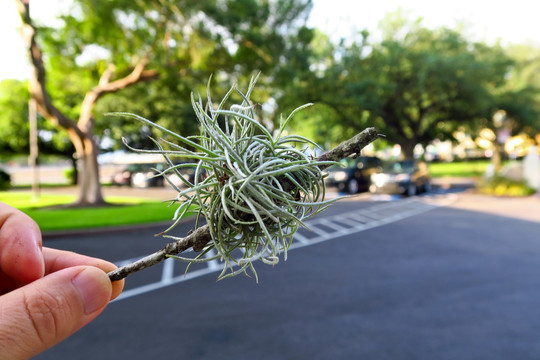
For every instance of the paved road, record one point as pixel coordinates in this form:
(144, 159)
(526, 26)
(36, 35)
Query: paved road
(428, 278)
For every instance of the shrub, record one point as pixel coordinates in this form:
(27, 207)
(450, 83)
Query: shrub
(5, 180)
(71, 176)
(501, 186)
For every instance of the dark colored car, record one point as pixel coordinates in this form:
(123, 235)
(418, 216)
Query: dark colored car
(353, 175)
(406, 177)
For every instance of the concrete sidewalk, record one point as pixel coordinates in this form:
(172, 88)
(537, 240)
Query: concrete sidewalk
(447, 182)
(524, 208)
(155, 193)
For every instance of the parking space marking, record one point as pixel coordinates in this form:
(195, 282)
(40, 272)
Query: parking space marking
(212, 264)
(342, 224)
(301, 238)
(331, 224)
(168, 271)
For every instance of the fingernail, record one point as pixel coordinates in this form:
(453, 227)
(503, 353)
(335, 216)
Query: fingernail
(94, 287)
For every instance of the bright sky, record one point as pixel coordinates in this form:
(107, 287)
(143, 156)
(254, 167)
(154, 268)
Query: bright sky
(513, 21)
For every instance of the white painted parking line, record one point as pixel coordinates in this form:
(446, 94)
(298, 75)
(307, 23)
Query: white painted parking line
(168, 271)
(316, 229)
(212, 264)
(300, 238)
(358, 218)
(192, 274)
(330, 224)
(348, 221)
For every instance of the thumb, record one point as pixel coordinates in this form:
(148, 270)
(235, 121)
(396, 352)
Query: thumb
(45, 312)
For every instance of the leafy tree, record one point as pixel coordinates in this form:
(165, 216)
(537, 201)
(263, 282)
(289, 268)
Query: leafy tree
(177, 44)
(14, 116)
(520, 96)
(415, 85)
(322, 82)
(14, 125)
(516, 102)
(431, 83)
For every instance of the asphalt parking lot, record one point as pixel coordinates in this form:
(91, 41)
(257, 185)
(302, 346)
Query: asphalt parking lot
(447, 276)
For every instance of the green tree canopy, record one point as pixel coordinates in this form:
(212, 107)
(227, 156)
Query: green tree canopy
(14, 116)
(146, 56)
(415, 85)
(185, 43)
(520, 95)
(14, 124)
(431, 83)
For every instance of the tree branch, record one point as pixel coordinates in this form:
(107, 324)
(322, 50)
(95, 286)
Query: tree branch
(106, 76)
(38, 88)
(105, 86)
(201, 236)
(137, 74)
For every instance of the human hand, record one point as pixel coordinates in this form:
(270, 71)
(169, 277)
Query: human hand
(46, 294)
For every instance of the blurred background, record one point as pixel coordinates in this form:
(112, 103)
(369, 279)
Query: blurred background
(453, 86)
(446, 83)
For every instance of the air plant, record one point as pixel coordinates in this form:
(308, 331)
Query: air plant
(253, 188)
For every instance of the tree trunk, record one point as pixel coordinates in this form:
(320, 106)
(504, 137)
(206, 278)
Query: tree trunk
(89, 184)
(407, 149)
(82, 137)
(496, 158)
(88, 180)
(74, 171)
(80, 133)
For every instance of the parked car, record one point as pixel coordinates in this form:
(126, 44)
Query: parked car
(353, 175)
(187, 172)
(144, 175)
(407, 177)
(139, 175)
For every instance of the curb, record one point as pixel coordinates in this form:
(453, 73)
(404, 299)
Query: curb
(54, 234)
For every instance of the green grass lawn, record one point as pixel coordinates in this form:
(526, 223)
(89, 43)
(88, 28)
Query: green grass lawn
(50, 214)
(458, 169)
